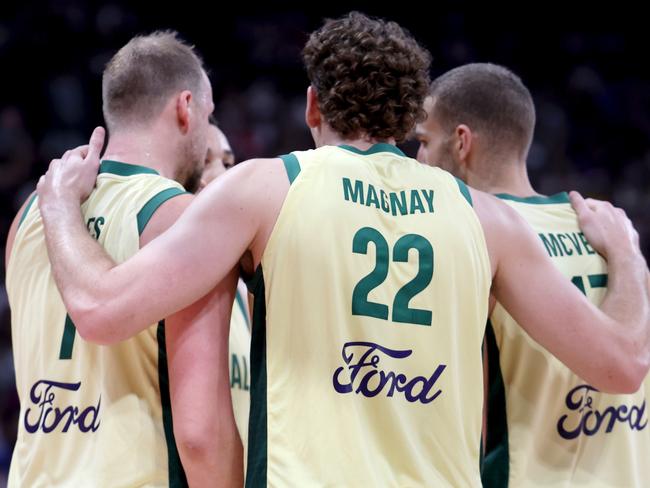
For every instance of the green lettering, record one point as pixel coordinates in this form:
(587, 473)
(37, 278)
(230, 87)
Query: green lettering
(585, 243)
(99, 223)
(400, 203)
(551, 244)
(235, 372)
(353, 194)
(416, 202)
(94, 225)
(567, 251)
(428, 197)
(247, 383)
(384, 201)
(573, 237)
(372, 198)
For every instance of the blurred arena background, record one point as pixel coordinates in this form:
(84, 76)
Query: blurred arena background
(587, 70)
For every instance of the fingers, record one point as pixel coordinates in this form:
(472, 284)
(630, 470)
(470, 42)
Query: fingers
(79, 151)
(95, 144)
(577, 202)
(39, 185)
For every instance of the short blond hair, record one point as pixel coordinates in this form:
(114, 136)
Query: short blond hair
(140, 77)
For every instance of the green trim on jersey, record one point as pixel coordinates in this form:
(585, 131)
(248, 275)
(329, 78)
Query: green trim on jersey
(465, 191)
(562, 197)
(124, 169)
(256, 473)
(253, 281)
(597, 281)
(242, 306)
(495, 470)
(291, 165)
(26, 211)
(67, 342)
(176, 473)
(377, 148)
(149, 208)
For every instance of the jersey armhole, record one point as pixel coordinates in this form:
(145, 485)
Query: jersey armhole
(464, 191)
(291, 165)
(149, 208)
(27, 208)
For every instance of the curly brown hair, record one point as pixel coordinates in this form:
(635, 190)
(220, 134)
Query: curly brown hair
(371, 76)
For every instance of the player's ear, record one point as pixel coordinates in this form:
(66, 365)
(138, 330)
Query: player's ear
(312, 112)
(463, 142)
(183, 110)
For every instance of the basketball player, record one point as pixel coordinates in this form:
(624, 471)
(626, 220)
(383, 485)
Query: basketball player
(220, 155)
(555, 429)
(100, 416)
(371, 274)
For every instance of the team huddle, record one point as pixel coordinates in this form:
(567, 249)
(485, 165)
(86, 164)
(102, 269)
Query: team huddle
(414, 322)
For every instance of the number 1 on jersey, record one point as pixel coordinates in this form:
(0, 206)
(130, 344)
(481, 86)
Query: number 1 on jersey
(67, 341)
(401, 310)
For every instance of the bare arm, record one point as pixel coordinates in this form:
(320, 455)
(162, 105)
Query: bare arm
(197, 341)
(609, 348)
(110, 303)
(204, 424)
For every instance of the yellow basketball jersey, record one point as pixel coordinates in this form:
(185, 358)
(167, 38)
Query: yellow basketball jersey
(90, 415)
(560, 430)
(370, 304)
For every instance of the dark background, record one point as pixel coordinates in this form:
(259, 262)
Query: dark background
(587, 70)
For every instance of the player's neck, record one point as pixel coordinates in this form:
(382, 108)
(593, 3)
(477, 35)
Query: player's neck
(510, 178)
(140, 147)
(328, 137)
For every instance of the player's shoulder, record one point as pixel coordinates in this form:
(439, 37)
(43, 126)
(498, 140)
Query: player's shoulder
(255, 173)
(163, 215)
(499, 221)
(13, 229)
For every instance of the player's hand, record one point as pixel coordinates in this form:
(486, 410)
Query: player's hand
(70, 179)
(606, 227)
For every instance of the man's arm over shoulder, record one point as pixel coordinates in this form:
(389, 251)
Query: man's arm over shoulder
(109, 303)
(609, 348)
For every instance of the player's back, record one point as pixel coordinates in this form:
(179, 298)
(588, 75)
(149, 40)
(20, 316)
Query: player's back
(90, 415)
(559, 431)
(370, 307)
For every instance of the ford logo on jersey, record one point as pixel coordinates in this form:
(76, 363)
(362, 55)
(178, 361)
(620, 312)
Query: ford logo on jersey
(592, 420)
(365, 375)
(46, 416)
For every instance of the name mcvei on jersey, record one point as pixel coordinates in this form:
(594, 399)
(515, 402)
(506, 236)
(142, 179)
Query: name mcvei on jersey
(580, 399)
(420, 201)
(566, 244)
(374, 380)
(47, 416)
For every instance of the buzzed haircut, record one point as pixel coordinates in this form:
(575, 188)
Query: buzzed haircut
(140, 77)
(371, 76)
(491, 100)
